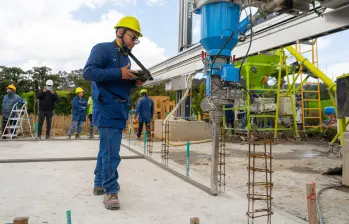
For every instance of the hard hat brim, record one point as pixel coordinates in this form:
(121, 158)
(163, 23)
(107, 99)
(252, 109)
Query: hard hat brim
(139, 34)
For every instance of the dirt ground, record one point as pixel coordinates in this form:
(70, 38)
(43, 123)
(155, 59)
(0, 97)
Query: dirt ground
(294, 165)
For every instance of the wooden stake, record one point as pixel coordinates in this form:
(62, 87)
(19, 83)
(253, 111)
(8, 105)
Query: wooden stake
(194, 220)
(21, 220)
(311, 204)
(345, 154)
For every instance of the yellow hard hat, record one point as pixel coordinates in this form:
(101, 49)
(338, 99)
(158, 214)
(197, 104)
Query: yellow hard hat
(78, 90)
(129, 22)
(11, 87)
(143, 91)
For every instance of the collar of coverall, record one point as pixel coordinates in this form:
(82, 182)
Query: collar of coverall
(123, 51)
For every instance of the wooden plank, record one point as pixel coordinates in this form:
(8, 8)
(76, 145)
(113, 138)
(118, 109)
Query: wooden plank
(311, 204)
(345, 154)
(195, 220)
(21, 220)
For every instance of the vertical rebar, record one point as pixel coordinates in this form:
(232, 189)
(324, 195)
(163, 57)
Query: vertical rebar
(256, 184)
(165, 142)
(221, 161)
(150, 139)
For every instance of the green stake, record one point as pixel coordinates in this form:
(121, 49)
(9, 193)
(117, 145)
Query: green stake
(188, 155)
(68, 217)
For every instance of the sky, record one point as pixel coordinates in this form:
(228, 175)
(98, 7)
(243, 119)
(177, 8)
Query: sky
(60, 34)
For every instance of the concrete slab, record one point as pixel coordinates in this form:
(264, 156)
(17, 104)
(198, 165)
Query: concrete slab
(51, 149)
(149, 195)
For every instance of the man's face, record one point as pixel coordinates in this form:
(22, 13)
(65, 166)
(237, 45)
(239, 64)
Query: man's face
(81, 94)
(9, 91)
(131, 38)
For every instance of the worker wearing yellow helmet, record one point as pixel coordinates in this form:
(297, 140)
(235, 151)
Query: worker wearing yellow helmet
(108, 67)
(78, 113)
(9, 100)
(144, 113)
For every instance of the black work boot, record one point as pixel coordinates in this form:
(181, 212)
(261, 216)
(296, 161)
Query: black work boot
(77, 136)
(98, 191)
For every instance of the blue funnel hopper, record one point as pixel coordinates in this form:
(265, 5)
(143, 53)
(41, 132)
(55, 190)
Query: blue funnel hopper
(219, 20)
(220, 29)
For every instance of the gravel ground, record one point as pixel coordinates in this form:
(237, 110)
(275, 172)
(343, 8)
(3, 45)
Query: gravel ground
(294, 166)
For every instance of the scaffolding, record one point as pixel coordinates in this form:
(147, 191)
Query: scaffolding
(310, 91)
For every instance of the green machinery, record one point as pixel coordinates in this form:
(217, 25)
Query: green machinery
(267, 107)
(274, 107)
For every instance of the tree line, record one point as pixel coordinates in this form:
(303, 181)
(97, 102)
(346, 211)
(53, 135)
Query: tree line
(30, 82)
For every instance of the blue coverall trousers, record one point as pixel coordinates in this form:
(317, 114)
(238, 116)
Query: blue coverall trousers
(108, 160)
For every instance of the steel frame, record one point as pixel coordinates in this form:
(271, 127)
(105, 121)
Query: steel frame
(277, 32)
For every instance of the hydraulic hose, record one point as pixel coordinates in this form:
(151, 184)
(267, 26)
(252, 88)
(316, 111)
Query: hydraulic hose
(317, 201)
(189, 82)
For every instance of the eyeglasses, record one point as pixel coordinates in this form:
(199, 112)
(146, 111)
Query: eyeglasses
(134, 38)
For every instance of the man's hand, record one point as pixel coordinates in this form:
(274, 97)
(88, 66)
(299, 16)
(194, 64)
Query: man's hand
(139, 83)
(52, 91)
(126, 73)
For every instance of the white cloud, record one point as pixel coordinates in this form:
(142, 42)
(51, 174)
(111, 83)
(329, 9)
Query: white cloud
(41, 32)
(123, 3)
(155, 2)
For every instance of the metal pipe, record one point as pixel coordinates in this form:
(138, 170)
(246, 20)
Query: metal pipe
(278, 96)
(317, 72)
(180, 27)
(185, 24)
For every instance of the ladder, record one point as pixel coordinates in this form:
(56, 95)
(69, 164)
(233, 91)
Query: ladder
(311, 106)
(19, 113)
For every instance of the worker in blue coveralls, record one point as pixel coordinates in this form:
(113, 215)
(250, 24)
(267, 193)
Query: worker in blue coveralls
(112, 80)
(79, 113)
(229, 116)
(9, 100)
(144, 112)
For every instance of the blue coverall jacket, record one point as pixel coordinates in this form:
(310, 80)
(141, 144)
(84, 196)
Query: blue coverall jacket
(145, 109)
(79, 109)
(8, 102)
(110, 93)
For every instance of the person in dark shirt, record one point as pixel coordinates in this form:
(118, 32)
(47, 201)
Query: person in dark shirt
(144, 112)
(47, 99)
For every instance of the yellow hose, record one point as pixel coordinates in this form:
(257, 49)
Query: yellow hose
(191, 142)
